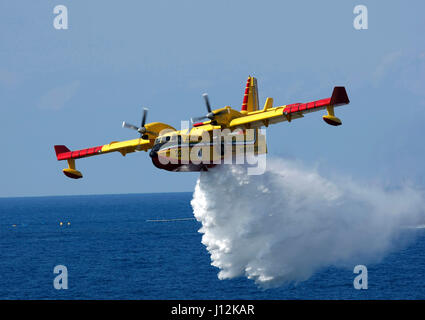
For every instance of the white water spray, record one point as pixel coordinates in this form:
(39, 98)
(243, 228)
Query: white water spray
(286, 224)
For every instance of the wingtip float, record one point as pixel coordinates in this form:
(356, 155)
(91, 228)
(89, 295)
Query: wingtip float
(173, 150)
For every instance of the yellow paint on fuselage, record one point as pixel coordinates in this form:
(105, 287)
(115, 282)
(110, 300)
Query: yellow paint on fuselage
(208, 146)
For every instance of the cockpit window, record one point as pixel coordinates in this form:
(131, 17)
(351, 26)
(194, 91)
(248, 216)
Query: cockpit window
(173, 139)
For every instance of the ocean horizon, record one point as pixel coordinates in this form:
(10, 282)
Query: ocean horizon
(147, 246)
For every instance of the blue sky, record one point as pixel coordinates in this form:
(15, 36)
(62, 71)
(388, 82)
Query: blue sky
(76, 86)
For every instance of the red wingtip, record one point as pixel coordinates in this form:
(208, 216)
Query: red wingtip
(339, 96)
(61, 149)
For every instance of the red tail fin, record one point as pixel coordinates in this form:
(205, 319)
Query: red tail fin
(250, 98)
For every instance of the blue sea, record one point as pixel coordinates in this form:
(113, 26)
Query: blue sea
(113, 248)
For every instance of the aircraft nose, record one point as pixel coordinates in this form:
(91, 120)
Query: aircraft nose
(154, 150)
(153, 154)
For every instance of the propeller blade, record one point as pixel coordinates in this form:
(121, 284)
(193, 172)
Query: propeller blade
(145, 114)
(221, 112)
(195, 119)
(129, 126)
(207, 102)
(142, 129)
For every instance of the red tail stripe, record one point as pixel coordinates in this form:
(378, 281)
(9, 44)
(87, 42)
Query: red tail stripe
(245, 97)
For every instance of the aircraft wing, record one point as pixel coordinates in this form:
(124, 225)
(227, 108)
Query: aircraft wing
(269, 115)
(124, 147)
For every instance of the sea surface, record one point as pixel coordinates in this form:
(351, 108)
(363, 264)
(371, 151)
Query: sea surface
(113, 248)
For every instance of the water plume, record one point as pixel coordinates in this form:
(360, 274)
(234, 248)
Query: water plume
(286, 224)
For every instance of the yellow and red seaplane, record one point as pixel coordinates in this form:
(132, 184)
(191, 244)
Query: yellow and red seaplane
(220, 135)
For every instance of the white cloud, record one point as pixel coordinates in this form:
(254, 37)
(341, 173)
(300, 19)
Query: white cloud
(56, 98)
(404, 70)
(388, 63)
